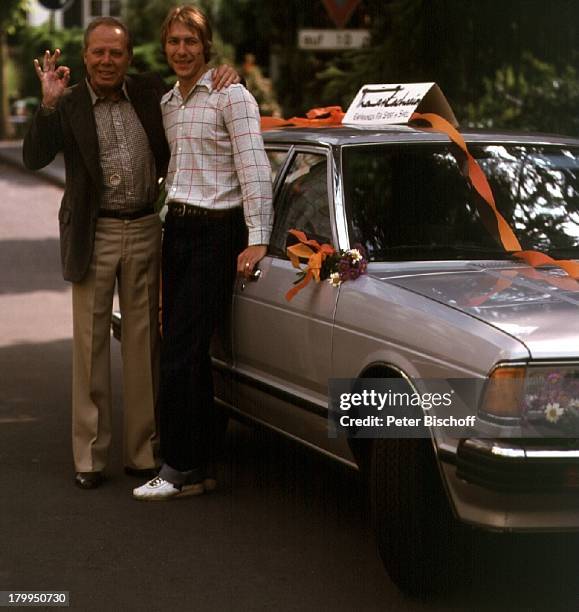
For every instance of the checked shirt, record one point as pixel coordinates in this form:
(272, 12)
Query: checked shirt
(217, 156)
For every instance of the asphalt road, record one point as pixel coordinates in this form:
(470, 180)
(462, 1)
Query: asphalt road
(286, 530)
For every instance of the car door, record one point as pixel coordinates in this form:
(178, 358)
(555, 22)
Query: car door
(282, 349)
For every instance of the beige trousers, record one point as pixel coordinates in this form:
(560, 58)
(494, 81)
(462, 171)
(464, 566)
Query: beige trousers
(127, 253)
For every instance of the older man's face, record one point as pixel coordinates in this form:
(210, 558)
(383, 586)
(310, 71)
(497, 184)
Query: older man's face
(106, 58)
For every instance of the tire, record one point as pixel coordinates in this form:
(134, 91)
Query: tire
(419, 540)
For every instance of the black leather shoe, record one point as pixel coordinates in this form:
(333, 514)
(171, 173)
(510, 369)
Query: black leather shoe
(88, 480)
(146, 473)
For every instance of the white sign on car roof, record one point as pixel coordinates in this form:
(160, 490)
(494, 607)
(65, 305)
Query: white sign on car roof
(392, 103)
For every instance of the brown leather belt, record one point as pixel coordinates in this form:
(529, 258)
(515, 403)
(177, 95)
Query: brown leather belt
(126, 215)
(178, 209)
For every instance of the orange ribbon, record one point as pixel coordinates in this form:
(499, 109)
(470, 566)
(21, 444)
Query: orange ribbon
(535, 259)
(315, 254)
(324, 116)
(333, 116)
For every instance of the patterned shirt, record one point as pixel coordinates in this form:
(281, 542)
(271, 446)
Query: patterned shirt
(217, 156)
(126, 159)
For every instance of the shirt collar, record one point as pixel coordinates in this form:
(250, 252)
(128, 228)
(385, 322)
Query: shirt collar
(205, 81)
(94, 98)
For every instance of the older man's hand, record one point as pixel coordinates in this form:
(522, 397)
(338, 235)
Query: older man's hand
(223, 76)
(53, 79)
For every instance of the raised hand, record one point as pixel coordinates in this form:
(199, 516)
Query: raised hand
(53, 79)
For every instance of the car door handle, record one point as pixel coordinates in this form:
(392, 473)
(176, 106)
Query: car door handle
(252, 278)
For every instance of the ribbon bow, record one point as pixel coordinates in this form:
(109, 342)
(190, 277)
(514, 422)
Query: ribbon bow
(323, 116)
(315, 253)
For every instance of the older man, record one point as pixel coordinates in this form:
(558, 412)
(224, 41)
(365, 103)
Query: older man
(110, 129)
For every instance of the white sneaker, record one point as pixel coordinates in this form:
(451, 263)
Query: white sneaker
(159, 489)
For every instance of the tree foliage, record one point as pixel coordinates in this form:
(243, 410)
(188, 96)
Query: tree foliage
(536, 97)
(509, 64)
(12, 15)
(462, 46)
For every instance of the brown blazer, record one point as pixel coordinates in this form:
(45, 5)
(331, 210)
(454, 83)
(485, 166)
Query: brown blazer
(72, 129)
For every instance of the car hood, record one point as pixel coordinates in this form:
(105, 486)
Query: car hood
(538, 307)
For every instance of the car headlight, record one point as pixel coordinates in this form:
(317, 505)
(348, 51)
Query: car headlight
(536, 394)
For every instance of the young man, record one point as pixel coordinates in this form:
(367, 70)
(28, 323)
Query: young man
(110, 129)
(219, 176)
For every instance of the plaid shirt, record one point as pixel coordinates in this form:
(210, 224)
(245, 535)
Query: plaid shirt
(217, 155)
(127, 162)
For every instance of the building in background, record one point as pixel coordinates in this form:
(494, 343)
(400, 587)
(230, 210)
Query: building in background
(77, 13)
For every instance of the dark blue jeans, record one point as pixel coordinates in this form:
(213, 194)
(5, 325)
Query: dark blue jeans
(199, 267)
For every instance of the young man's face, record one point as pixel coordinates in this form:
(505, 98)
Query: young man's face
(106, 58)
(185, 53)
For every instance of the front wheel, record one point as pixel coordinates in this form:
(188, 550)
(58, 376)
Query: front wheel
(418, 538)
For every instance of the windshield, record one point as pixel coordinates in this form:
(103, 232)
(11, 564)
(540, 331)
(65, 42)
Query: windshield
(413, 202)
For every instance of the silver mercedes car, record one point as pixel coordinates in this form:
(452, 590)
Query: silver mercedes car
(441, 299)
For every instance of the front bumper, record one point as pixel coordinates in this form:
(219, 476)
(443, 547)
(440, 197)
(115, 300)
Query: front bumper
(518, 485)
(523, 466)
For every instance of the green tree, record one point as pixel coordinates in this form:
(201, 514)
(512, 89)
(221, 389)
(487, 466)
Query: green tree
(536, 97)
(465, 47)
(456, 43)
(12, 13)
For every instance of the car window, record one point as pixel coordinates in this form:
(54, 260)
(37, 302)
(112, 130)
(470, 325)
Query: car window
(276, 160)
(302, 202)
(414, 202)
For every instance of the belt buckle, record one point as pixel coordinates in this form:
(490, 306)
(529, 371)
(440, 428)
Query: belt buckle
(179, 209)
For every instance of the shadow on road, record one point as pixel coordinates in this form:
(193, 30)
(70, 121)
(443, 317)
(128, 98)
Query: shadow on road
(508, 572)
(286, 529)
(24, 264)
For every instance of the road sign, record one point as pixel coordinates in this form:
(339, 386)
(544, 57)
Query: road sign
(332, 40)
(340, 10)
(55, 5)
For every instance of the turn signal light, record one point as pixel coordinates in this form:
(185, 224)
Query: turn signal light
(504, 392)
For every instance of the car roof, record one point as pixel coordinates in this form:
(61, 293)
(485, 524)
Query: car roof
(349, 135)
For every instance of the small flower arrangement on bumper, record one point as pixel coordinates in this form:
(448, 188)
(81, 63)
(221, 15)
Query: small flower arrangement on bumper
(323, 262)
(552, 402)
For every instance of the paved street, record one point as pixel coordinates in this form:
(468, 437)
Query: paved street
(287, 530)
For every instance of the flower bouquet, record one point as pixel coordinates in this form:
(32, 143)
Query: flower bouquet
(551, 403)
(344, 265)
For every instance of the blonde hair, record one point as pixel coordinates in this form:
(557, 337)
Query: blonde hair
(193, 19)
